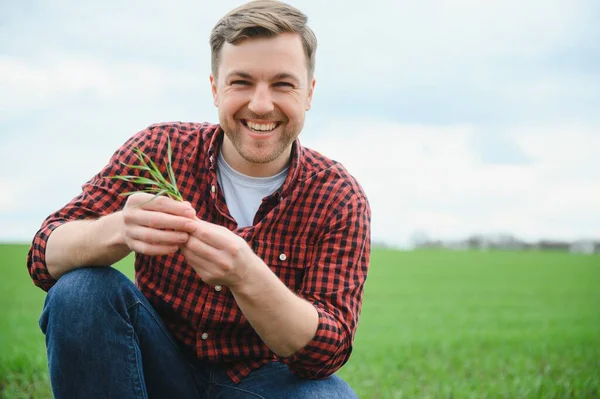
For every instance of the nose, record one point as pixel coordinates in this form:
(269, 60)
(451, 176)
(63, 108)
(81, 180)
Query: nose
(261, 102)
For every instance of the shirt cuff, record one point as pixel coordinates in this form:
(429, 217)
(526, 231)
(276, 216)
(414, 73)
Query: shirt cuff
(36, 260)
(324, 354)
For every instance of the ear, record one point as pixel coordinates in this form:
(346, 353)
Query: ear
(213, 88)
(311, 89)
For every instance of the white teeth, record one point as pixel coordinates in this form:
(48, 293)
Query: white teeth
(261, 127)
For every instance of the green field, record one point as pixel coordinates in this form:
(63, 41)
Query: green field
(435, 324)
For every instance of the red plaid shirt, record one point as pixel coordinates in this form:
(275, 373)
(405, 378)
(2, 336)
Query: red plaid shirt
(314, 233)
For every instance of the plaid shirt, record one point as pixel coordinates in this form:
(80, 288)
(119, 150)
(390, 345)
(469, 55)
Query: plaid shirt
(314, 234)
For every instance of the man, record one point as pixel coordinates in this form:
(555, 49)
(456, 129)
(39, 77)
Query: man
(251, 287)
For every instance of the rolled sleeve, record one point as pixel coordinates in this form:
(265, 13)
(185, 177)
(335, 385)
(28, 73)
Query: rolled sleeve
(36, 258)
(324, 354)
(334, 284)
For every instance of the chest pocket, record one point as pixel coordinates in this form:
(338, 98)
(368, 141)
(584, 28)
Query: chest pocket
(287, 260)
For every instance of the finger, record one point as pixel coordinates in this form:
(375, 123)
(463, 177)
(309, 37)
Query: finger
(205, 253)
(214, 235)
(163, 204)
(158, 237)
(158, 220)
(202, 267)
(152, 249)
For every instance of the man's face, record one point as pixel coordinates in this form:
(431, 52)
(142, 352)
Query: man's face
(262, 91)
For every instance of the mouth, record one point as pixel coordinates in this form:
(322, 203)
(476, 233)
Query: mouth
(260, 127)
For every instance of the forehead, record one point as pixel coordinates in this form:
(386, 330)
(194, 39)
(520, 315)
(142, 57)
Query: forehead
(265, 57)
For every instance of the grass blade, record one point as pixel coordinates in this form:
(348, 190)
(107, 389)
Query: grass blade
(170, 169)
(156, 173)
(139, 167)
(158, 184)
(153, 190)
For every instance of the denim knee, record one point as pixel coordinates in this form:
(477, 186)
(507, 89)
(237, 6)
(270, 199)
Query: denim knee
(84, 293)
(274, 380)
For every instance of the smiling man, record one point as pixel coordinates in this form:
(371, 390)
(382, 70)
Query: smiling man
(253, 286)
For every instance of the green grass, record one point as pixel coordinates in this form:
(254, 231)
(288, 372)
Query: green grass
(435, 324)
(23, 367)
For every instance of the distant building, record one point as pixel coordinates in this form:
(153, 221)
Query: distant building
(486, 242)
(584, 247)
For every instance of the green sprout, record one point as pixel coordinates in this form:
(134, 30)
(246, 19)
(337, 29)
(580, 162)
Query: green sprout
(157, 184)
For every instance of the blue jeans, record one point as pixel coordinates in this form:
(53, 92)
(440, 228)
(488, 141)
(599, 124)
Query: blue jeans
(105, 340)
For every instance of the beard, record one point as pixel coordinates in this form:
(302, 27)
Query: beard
(261, 151)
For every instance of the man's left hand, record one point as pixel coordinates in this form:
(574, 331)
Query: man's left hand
(219, 256)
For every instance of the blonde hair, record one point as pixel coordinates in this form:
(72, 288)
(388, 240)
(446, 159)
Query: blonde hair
(262, 18)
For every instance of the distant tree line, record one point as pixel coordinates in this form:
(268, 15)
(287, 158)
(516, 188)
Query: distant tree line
(506, 242)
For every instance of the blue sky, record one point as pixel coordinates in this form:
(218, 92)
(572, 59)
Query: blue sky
(457, 117)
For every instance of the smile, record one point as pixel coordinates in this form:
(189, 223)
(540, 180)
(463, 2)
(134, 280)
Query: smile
(260, 127)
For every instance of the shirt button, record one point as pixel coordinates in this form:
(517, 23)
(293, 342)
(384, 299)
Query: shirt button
(218, 288)
(211, 159)
(282, 257)
(213, 188)
(204, 335)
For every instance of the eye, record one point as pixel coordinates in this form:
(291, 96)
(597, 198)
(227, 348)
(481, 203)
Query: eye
(285, 85)
(239, 83)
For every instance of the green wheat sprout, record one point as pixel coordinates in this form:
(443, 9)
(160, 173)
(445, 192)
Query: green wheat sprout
(157, 184)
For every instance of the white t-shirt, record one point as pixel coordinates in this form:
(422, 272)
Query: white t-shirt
(244, 194)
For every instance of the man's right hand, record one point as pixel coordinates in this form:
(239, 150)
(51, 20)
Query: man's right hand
(156, 225)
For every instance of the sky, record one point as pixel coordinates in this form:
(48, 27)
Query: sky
(457, 117)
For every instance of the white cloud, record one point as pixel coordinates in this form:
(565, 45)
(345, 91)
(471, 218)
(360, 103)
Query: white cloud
(43, 82)
(427, 178)
(12, 190)
(566, 145)
(438, 41)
